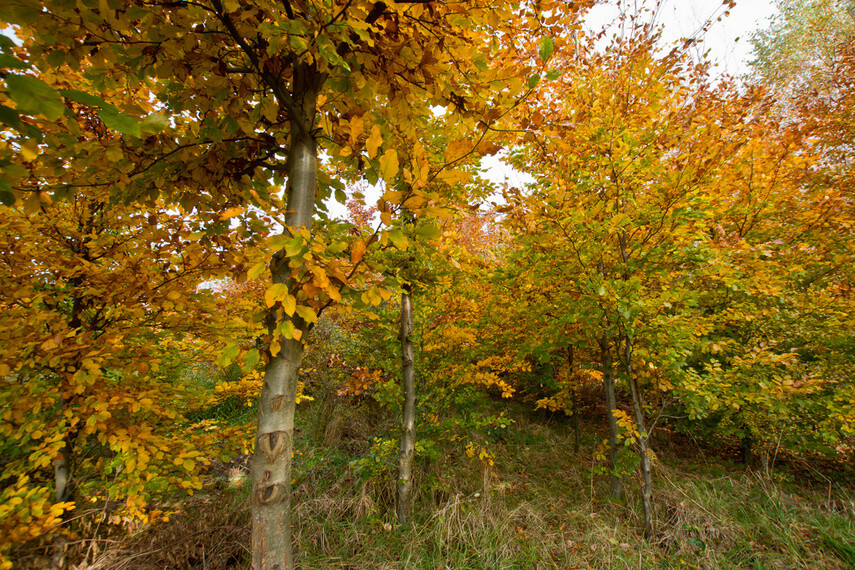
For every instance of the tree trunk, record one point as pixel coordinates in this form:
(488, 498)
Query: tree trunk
(574, 395)
(616, 485)
(406, 451)
(62, 467)
(749, 457)
(271, 462)
(646, 471)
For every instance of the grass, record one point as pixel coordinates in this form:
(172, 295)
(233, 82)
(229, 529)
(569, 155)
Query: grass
(544, 508)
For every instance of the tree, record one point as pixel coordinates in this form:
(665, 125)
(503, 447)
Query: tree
(96, 299)
(802, 49)
(242, 84)
(607, 240)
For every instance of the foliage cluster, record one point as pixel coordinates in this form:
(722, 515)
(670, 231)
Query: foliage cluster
(173, 283)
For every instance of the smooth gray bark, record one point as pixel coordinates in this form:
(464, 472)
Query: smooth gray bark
(406, 452)
(574, 394)
(646, 470)
(616, 484)
(271, 462)
(62, 467)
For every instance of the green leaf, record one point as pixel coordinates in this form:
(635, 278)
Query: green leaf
(397, 237)
(9, 116)
(256, 270)
(546, 47)
(277, 242)
(20, 11)
(553, 74)
(295, 246)
(11, 61)
(250, 359)
(337, 247)
(228, 355)
(35, 96)
(533, 81)
(6, 196)
(120, 122)
(85, 98)
(428, 231)
(155, 123)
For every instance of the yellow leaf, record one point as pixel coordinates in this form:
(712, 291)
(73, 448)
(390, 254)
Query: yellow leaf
(386, 218)
(231, 213)
(356, 128)
(422, 165)
(334, 294)
(393, 196)
(30, 150)
(256, 270)
(457, 149)
(414, 202)
(289, 304)
(275, 293)
(307, 314)
(389, 166)
(374, 141)
(452, 177)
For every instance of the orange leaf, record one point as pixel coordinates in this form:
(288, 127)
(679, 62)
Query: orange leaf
(358, 252)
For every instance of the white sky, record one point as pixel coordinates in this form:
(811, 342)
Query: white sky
(727, 40)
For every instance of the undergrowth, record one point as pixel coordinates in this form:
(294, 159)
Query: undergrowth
(540, 506)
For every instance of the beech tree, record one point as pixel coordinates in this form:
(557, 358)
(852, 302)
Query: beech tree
(615, 226)
(249, 88)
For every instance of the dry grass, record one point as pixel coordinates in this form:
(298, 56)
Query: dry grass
(544, 508)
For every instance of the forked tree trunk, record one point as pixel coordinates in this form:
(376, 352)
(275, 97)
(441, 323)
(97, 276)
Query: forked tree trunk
(646, 471)
(615, 485)
(406, 451)
(271, 462)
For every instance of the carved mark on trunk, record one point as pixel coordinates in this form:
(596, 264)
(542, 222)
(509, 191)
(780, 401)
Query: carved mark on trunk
(273, 444)
(271, 493)
(278, 402)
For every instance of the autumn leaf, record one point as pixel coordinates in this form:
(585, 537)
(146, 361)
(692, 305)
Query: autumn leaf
(374, 141)
(389, 166)
(358, 251)
(256, 270)
(275, 293)
(232, 212)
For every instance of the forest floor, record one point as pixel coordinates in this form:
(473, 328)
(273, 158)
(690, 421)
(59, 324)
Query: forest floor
(539, 506)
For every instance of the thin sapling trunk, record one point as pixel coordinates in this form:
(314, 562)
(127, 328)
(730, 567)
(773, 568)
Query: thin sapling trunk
(408, 434)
